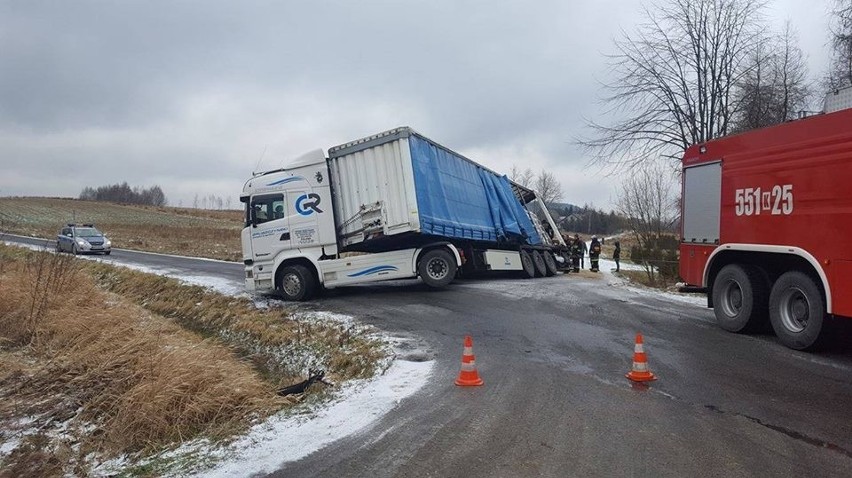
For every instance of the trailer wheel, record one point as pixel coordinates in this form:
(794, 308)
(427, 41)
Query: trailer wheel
(437, 268)
(538, 261)
(550, 263)
(739, 298)
(296, 283)
(797, 311)
(527, 264)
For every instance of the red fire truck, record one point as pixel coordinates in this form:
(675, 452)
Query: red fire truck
(767, 226)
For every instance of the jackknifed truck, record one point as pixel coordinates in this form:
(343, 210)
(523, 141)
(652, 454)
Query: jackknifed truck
(767, 225)
(394, 205)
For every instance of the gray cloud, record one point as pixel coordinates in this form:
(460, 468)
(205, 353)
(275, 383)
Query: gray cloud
(188, 95)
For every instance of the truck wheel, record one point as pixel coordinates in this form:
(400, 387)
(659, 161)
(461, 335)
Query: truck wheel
(739, 298)
(527, 264)
(296, 283)
(437, 268)
(550, 263)
(540, 267)
(797, 311)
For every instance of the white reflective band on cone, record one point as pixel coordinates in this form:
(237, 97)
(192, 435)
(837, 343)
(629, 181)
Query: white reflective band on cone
(640, 366)
(467, 351)
(468, 367)
(639, 349)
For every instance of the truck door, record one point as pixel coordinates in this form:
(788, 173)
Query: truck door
(270, 231)
(305, 208)
(702, 203)
(702, 206)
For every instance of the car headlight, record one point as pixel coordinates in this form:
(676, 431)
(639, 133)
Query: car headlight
(107, 242)
(82, 242)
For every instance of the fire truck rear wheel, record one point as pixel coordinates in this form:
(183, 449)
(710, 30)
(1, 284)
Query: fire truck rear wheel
(528, 271)
(437, 268)
(550, 263)
(540, 266)
(739, 298)
(296, 283)
(797, 310)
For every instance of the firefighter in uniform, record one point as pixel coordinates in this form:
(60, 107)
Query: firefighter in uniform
(576, 252)
(594, 254)
(616, 256)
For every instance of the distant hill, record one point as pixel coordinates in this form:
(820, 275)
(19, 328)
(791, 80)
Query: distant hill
(587, 220)
(563, 205)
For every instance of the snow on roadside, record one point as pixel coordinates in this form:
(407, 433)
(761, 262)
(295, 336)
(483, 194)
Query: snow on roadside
(607, 267)
(217, 284)
(31, 247)
(282, 438)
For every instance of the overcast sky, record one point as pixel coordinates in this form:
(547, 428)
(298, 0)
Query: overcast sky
(189, 95)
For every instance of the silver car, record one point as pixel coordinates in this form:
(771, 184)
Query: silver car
(82, 239)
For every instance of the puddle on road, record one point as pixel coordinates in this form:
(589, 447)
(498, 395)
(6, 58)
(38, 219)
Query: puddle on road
(410, 348)
(415, 357)
(639, 386)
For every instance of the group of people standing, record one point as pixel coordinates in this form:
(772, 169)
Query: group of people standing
(578, 249)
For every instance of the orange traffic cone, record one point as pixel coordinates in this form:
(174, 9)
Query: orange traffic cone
(468, 377)
(640, 372)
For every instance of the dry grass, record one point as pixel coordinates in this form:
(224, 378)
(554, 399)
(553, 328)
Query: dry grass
(109, 360)
(282, 345)
(585, 274)
(641, 277)
(195, 232)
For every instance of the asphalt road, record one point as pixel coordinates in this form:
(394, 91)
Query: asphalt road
(553, 353)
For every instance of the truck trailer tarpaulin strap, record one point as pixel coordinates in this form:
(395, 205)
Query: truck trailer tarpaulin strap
(457, 199)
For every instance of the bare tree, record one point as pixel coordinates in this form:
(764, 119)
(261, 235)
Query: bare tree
(840, 73)
(522, 177)
(792, 71)
(755, 91)
(548, 187)
(649, 204)
(674, 80)
(775, 86)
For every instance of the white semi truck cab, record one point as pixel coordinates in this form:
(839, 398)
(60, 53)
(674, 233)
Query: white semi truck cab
(290, 243)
